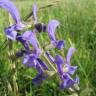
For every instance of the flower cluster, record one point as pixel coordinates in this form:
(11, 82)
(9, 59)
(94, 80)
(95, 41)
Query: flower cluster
(31, 57)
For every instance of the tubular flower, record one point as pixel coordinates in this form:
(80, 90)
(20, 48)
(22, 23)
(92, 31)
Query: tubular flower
(40, 77)
(11, 33)
(11, 8)
(65, 70)
(52, 25)
(30, 37)
(31, 61)
(30, 57)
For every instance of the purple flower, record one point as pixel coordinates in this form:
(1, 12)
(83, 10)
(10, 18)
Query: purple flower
(41, 66)
(39, 79)
(68, 81)
(65, 70)
(11, 33)
(30, 60)
(11, 8)
(52, 25)
(30, 37)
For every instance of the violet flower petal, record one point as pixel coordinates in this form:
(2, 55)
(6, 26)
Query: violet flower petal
(31, 38)
(40, 77)
(59, 61)
(72, 69)
(11, 8)
(52, 25)
(29, 60)
(60, 44)
(69, 54)
(11, 33)
(67, 81)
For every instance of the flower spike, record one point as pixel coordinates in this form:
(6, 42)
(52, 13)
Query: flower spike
(31, 38)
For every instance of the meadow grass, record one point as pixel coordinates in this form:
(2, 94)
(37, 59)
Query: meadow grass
(78, 27)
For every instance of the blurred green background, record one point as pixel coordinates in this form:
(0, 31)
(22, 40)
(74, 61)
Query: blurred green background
(78, 27)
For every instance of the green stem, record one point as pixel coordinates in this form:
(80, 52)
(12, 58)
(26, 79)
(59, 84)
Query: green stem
(50, 63)
(46, 56)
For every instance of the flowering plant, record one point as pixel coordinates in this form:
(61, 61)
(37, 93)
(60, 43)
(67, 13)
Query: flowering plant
(31, 56)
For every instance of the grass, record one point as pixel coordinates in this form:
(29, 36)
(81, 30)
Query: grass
(78, 26)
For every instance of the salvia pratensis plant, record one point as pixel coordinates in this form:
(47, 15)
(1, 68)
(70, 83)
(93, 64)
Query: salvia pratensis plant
(31, 56)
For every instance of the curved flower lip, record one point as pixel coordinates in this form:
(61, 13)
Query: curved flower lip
(11, 33)
(71, 69)
(52, 25)
(34, 10)
(59, 60)
(39, 79)
(11, 8)
(69, 54)
(60, 44)
(29, 60)
(68, 81)
(41, 76)
(31, 38)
